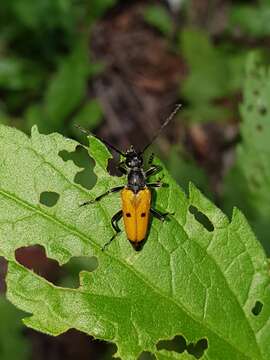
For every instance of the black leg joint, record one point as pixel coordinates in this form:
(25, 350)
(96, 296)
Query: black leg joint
(151, 158)
(157, 184)
(113, 190)
(160, 216)
(153, 170)
(114, 223)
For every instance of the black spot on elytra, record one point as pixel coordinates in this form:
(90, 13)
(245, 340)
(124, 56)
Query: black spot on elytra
(128, 214)
(143, 214)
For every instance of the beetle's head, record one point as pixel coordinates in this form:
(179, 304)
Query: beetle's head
(133, 159)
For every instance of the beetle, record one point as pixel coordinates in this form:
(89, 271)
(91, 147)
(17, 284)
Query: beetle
(136, 194)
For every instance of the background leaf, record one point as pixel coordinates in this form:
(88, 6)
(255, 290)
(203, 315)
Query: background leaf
(206, 285)
(247, 185)
(67, 88)
(183, 169)
(90, 116)
(218, 70)
(253, 20)
(159, 18)
(12, 343)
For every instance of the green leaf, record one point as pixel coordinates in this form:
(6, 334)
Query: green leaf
(158, 17)
(68, 86)
(248, 184)
(90, 115)
(187, 280)
(98, 8)
(12, 343)
(253, 20)
(214, 74)
(184, 169)
(169, 355)
(44, 14)
(204, 69)
(15, 74)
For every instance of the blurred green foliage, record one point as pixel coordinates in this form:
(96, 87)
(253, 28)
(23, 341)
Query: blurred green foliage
(252, 20)
(184, 169)
(45, 65)
(247, 185)
(159, 17)
(214, 72)
(13, 345)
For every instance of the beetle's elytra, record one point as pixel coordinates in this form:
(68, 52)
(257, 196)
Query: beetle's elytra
(136, 194)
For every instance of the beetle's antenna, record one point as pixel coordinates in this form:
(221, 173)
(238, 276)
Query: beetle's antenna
(104, 141)
(166, 122)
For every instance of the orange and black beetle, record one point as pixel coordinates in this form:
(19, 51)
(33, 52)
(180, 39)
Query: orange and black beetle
(136, 195)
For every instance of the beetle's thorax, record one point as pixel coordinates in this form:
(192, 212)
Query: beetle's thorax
(134, 164)
(136, 179)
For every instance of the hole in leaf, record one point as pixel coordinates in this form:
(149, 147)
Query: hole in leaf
(70, 271)
(86, 177)
(112, 167)
(263, 110)
(71, 345)
(179, 344)
(34, 258)
(197, 349)
(147, 355)
(49, 198)
(256, 310)
(201, 218)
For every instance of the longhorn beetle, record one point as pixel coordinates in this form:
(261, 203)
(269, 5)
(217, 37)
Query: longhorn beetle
(136, 195)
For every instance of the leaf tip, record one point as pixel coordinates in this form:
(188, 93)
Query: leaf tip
(34, 130)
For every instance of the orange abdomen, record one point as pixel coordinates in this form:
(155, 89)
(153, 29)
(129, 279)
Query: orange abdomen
(136, 209)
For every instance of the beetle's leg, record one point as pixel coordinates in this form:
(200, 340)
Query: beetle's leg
(151, 158)
(160, 216)
(113, 190)
(153, 170)
(157, 184)
(121, 168)
(114, 223)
